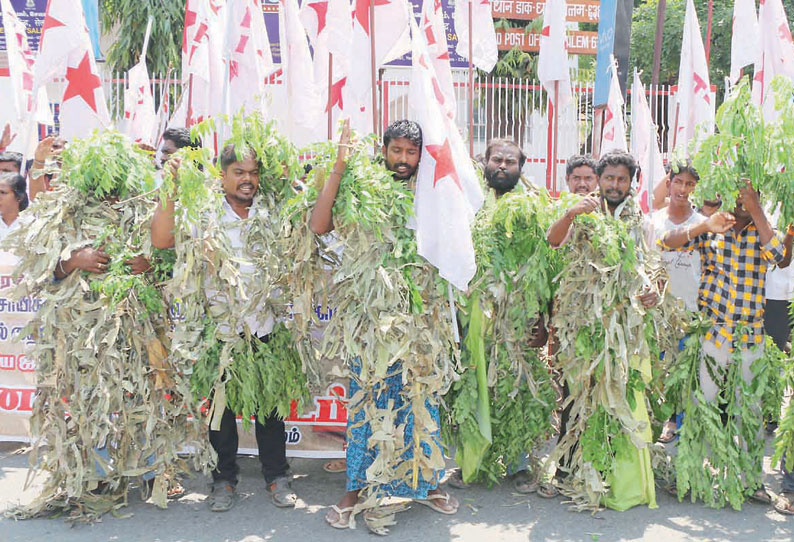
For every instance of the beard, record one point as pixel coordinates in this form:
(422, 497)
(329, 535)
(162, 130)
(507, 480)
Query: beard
(501, 183)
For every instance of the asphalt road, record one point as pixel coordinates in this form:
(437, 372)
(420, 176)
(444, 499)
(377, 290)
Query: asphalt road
(485, 515)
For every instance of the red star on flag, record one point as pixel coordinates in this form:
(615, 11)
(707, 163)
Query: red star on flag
(82, 82)
(445, 165)
(546, 31)
(336, 95)
(321, 8)
(49, 22)
(190, 20)
(362, 12)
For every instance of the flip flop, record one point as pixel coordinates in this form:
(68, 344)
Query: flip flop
(784, 505)
(761, 496)
(431, 503)
(547, 491)
(342, 520)
(335, 466)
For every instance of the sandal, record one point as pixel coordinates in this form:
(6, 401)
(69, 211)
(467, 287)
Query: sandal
(222, 496)
(784, 505)
(761, 496)
(281, 492)
(523, 484)
(335, 466)
(456, 480)
(668, 433)
(547, 491)
(431, 503)
(342, 520)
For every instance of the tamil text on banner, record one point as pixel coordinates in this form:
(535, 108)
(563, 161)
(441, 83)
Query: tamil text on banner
(17, 379)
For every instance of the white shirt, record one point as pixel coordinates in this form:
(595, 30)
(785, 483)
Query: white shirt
(682, 267)
(5, 229)
(261, 322)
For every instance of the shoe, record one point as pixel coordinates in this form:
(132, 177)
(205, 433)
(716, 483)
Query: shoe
(456, 480)
(281, 492)
(222, 496)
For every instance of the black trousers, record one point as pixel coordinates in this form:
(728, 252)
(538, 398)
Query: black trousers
(270, 440)
(776, 322)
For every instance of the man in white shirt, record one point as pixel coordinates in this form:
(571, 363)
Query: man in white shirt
(240, 182)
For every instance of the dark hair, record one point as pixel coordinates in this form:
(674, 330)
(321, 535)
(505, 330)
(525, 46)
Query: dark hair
(18, 184)
(683, 166)
(9, 156)
(617, 158)
(408, 129)
(180, 137)
(579, 160)
(229, 156)
(505, 143)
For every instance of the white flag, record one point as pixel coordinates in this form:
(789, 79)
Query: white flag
(302, 113)
(776, 56)
(202, 65)
(246, 54)
(613, 135)
(553, 59)
(391, 41)
(745, 39)
(695, 100)
(483, 35)
(139, 114)
(644, 145)
(448, 193)
(436, 38)
(65, 50)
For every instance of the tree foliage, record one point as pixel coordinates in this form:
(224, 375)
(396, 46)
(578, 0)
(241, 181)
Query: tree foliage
(128, 19)
(643, 31)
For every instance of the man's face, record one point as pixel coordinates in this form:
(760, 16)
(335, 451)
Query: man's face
(681, 185)
(582, 180)
(402, 157)
(502, 170)
(8, 167)
(167, 149)
(615, 184)
(9, 204)
(241, 180)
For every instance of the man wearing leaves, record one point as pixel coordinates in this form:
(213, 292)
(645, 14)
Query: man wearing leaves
(607, 287)
(240, 173)
(387, 396)
(736, 251)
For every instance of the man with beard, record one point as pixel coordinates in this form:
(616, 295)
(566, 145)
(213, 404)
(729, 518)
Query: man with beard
(402, 148)
(504, 161)
(240, 183)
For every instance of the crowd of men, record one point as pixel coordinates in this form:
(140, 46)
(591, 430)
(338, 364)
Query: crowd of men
(729, 265)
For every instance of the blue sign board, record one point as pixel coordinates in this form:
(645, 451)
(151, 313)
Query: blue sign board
(606, 45)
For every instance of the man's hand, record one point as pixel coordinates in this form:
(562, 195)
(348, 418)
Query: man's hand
(586, 205)
(343, 150)
(44, 149)
(720, 222)
(748, 197)
(539, 334)
(649, 299)
(174, 163)
(139, 265)
(6, 137)
(90, 259)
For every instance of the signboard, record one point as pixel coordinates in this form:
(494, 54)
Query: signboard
(580, 42)
(448, 7)
(579, 11)
(270, 9)
(30, 12)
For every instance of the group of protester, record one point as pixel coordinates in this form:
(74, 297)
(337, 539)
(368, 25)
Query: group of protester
(721, 264)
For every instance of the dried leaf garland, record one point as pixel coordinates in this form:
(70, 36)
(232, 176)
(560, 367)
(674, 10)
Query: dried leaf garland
(109, 407)
(606, 347)
(392, 315)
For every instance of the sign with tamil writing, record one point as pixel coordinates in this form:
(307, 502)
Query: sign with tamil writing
(579, 11)
(580, 42)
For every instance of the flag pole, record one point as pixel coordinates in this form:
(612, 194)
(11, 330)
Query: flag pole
(471, 86)
(708, 31)
(372, 65)
(554, 135)
(189, 119)
(330, 84)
